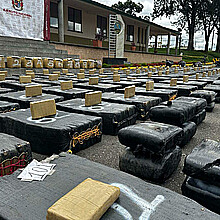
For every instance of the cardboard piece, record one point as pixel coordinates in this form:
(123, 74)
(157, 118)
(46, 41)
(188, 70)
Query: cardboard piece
(116, 78)
(56, 72)
(53, 77)
(129, 92)
(84, 64)
(197, 75)
(2, 61)
(68, 63)
(2, 77)
(115, 72)
(185, 78)
(91, 72)
(32, 75)
(101, 71)
(76, 64)
(149, 74)
(32, 91)
(87, 201)
(25, 79)
(80, 75)
(204, 74)
(46, 72)
(43, 108)
(91, 64)
(4, 72)
(93, 98)
(27, 62)
(149, 85)
(48, 63)
(93, 80)
(58, 63)
(14, 62)
(173, 82)
(160, 73)
(66, 85)
(209, 73)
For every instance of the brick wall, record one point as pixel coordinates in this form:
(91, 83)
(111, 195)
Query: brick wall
(99, 53)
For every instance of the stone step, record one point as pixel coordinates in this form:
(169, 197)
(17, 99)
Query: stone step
(20, 45)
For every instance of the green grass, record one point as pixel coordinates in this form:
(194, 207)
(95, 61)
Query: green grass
(190, 56)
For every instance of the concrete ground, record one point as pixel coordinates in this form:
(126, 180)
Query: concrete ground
(108, 150)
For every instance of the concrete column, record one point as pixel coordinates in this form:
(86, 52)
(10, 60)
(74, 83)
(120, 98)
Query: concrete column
(61, 20)
(147, 38)
(168, 44)
(176, 48)
(155, 46)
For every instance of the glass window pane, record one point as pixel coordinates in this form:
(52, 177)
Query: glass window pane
(54, 22)
(70, 26)
(78, 18)
(78, 27)
(53, 10)
(70, 14)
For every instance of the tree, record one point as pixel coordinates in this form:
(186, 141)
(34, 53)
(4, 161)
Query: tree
(186, 10)
(129, 7)
(209, 19)
(217, 26)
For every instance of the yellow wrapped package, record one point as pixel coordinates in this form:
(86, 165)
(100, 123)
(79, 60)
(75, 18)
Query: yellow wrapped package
(91, 64)
(76, 64)
(84, 64)
(14, 62)
(48, 63)
(58, 63)
(38, 62)
(27, 62)
(68, 63)
(2, 61)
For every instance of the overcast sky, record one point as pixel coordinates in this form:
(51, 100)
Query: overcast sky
(148, 8)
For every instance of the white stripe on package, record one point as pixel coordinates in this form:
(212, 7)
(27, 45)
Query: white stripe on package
(148, 208)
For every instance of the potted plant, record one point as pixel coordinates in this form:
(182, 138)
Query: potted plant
(133, 47)
(99, 37)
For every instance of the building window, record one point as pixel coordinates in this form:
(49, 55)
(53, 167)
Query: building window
(53, 15)
(74, 20)
(101, 25)
(130, 33)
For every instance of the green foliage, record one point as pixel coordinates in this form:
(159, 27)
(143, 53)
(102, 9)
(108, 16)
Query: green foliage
(129, 7)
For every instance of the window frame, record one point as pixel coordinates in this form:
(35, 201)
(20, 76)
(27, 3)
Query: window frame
(74, 19)
(54, 15)
(129, 33)
(104, 20)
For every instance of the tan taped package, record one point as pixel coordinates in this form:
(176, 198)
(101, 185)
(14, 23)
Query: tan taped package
(43, 108)
(76, 64)
(82, 71)
(173, 81)
(93, 98)
(149, 74)
(32, 75)
(2, 77)
(14, 62)
(149, 85)
(197, 75)
(48, 63)
(98, 64)
(2, 61)
(131, 78)
(32, 91)
(4, 72)
(116, 78)
(91, 64)
(46, 72)
(185, 78)
(138, 71)
(91, 72)
(93, 80)
(84, 64)
(115, 72)
(167, 72)
(87, 201)
(25, 79)
(38, 62)
(209, 73)
(160, 73)
(80, 75)
(27, 62)
(65, 71)
(68, 63)
(127, 72)
(103, 76)
(58, 63)
(176, 71)
(66, 85)
(56, 72)
(53, 77)
(204, 74)
(101, 71)
(129, 92)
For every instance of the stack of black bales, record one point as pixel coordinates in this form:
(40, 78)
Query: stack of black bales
(202, 168)
(152, 151)
(214, 88)
(209, 96)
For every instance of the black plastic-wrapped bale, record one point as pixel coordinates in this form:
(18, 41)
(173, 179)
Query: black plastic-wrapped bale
(164, 94)
(210, 107)
(175, 113)
(100, 87)
(138, 198)
(114, 116)
(189, 130)
(155, 137)
(142, 103)
(216, 89)
(8, 106)
(209, 96)
(202, 192)
(24, 101)
(200, 85)
(14, 154)
(46, 81)
(183, 90)
(199, 118)
(122, 83)
(15, 85)
(67, 94)
(158, 170)
(52, 134)
(200, 103)
(203, 162)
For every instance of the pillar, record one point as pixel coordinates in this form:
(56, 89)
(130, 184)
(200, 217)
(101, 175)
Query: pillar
(168, 44)
(176, 48)
(61, 21)
(147, 38)
(155, 46)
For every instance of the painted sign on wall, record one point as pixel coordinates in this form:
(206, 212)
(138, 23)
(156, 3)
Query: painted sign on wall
(22, 18)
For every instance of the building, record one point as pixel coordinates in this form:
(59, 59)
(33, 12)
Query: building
(75, 23)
